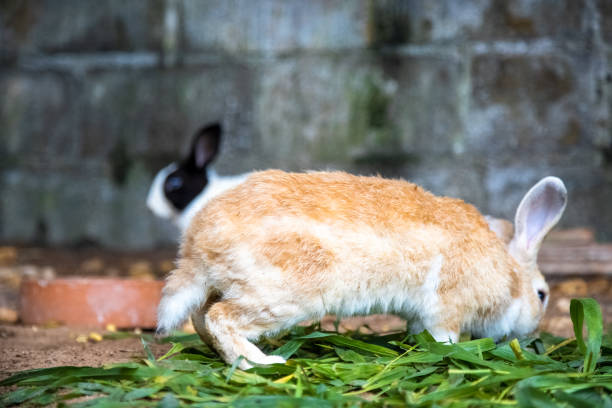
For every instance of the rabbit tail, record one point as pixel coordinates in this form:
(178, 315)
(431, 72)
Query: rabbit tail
(183, 294)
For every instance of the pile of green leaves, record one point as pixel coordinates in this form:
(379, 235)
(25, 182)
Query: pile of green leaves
(327, 369)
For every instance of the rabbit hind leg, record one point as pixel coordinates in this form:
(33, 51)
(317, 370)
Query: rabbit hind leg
(226, 327)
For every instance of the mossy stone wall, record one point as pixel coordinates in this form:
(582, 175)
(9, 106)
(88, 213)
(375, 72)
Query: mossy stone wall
(477, 99)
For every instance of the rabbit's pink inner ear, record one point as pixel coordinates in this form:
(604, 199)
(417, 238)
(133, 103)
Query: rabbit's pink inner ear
(201, 153)
(542, 212)
(206, 145)
(536, 221)
(205, 150)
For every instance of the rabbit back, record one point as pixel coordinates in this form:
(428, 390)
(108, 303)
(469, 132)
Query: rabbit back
(337, 243)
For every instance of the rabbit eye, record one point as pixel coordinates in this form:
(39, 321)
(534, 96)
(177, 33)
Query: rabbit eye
(174, 183)
(542, 295)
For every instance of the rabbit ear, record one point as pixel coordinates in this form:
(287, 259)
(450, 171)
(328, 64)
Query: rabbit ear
(205, 146)
(538, 212)
(501, 227)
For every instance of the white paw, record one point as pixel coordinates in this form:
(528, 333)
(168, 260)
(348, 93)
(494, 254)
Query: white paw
(261, 360)
(271, 360)
(264, 360)
(443, 336)
(245, 365)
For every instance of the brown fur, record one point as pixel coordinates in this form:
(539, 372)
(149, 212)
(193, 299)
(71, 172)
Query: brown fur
(299, 253)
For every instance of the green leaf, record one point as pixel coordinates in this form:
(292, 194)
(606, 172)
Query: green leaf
(316, 335)
(420, 357)
(169, 401)
(21, 395)
(478, 345)
(176, 348)
(588, 399)
(139, 393)
(349, 355)
(43, 375)
(529, 397)
(181, 338)
(233, 368)
(288, 349)
(587, 310)
(362, 346)
(147, 350)
(272, 401)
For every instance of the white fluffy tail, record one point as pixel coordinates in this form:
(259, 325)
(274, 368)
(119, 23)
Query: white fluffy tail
(176, 305)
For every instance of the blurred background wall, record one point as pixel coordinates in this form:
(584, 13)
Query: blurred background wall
(476, 99)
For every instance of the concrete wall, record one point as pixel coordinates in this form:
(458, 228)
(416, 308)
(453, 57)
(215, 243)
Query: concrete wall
(476, 99)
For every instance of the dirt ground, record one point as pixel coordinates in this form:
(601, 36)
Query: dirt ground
(27, 347)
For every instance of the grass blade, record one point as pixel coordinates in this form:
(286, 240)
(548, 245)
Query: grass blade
(147, 350)
(176, 348)
(587, 311)
(361, 346)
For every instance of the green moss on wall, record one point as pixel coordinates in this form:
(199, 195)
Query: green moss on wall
(372, 136)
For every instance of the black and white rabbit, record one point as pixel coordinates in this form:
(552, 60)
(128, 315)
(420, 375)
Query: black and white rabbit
(181, 189)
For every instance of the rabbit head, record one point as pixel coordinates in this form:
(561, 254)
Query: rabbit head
(180, 189)
(538, 212)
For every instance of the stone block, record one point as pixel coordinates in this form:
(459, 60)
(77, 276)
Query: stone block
(604, 7)
(359, 110)
(48, 207)
(51, 26)
(430, 103)
(321, 110)
(534, 105)
(506, 185)
(272, 26)
(76, 206)
(297, 109)
(38, 117)
(504, 20)
(399, 22)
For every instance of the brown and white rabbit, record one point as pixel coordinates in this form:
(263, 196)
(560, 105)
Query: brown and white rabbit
(281, 248)
(180, 190)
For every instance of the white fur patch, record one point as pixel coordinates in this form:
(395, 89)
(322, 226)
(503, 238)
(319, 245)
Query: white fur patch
(429, 302)
(507, 323)
(432, 280)
(174, 309)
(156, 199)
(445, 336)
